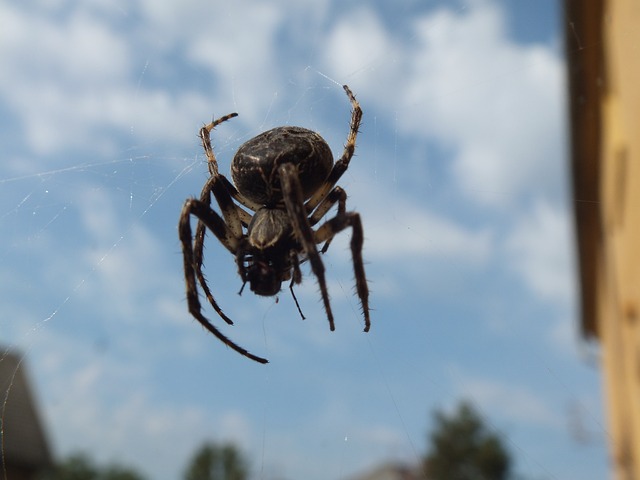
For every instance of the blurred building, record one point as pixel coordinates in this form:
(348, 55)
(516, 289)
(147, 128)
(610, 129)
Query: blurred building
(391, 471)
(603, 55)
(25, 452)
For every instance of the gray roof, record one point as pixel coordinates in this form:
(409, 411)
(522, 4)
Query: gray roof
(391, 471)
(24, 441)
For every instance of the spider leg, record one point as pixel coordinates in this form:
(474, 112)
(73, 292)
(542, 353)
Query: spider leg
(293, 199)
(233, 191)
(205, 136)
(232, 222)
(234, 216)
(336, 195)
(332, 227)
(295, 299)
(296, 278)
(198, 253)
(214, 223)
(343, 163)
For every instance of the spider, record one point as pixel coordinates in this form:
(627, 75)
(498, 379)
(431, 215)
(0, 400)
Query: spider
(286, 180)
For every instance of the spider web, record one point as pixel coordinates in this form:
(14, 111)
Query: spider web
(91, 263)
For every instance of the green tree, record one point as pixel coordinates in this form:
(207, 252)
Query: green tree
(75, 467)
(462, 447)
(217, 462)
(118, 472)
(79, 467)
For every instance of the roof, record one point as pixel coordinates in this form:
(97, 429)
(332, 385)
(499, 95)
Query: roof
(585, 63)
(23, 438)
(390, 471)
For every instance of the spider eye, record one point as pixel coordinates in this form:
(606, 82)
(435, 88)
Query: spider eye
(263, 279)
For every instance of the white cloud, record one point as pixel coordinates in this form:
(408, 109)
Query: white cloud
(55, 71)
(234, 43)
(461, 82)
(417, 233)
(512, 402)
(394, 226)
(75, 50)
(359, 44)
(80, 79)
(254, 36)
(235, 427)
(128, 260)
(103, 404)
(539, 247)
(564, 336)
(131, 420)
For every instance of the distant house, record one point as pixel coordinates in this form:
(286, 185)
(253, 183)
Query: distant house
(26, 452)
(391, 471)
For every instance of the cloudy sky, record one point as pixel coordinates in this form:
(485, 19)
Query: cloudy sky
(460, 176)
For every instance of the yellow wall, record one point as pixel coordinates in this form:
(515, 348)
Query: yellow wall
(619, 258)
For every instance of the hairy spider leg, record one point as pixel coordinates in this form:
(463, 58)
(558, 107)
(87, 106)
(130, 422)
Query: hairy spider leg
(336, 195)
(216, 224)
(234, 216)
(210, 186)
(293, 199)
(205, 135)
(332, 227)
(296, 278)
(343, 163)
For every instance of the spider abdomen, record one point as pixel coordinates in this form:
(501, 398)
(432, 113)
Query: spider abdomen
(254, 166)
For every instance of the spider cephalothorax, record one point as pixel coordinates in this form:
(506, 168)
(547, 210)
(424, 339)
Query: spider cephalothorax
(266, 264)
(286, 177)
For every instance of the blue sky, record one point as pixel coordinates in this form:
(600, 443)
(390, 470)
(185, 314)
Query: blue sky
(460, 176)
